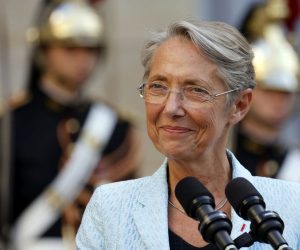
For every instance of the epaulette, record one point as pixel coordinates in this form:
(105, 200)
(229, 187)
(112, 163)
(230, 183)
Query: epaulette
(132, 117)
(14, 102)
(123, 113)
(97, 99)
(18, 100)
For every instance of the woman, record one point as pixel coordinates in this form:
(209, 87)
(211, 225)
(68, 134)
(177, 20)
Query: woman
(198, 83)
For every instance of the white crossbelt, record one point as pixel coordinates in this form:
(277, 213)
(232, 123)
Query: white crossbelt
(46, 208)
(290, 169)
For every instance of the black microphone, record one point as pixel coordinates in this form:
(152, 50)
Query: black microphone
(266, 226)
(215, 227)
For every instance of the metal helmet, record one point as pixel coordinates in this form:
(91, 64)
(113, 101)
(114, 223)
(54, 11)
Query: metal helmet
(70, 23)
(276, 62)
(260, 15)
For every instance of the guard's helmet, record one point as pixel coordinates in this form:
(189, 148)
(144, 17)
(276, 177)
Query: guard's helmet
(276, 63)
(69, 23)
(275, 60)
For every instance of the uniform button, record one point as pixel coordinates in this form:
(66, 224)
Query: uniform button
(271, 168)
(72, 126)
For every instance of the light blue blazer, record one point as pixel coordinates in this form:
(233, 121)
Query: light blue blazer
(132, 215)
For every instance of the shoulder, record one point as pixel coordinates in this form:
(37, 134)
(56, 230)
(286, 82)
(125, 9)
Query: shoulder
(15, 102)
(294, 150)
(109, 199)
(138, 190)
(124, 116)
(121, 190)
(276, 187)
(125, 130)
(280, 195)
(20, 99)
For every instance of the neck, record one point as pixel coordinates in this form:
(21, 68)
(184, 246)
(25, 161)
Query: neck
(214, 173)
(57, 91)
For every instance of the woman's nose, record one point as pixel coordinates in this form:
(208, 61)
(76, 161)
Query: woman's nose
(174, 103)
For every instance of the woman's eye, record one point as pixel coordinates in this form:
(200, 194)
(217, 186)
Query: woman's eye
(197, 90)
(157, 86)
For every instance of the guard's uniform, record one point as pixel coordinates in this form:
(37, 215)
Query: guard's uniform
(260, 159)
(272, 51)
(60, 153)
(44, 132)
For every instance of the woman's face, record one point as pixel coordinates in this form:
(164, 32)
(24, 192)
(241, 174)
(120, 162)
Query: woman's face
(178, 131)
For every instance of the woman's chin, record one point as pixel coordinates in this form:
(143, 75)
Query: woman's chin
(176, 153)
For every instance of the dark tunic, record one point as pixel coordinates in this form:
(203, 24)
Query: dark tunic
(260, 159)
(38, 146)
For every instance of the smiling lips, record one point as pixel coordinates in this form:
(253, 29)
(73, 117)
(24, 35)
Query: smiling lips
(175, 129)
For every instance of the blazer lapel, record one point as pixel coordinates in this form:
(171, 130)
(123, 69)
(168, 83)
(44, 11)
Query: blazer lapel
(239, 224)
(150, 215)
(151, 212)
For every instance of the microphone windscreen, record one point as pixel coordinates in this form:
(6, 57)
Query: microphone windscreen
(238, 190)
(188, 189)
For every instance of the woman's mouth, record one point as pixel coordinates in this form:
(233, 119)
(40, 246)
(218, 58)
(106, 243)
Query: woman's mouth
(175, 129)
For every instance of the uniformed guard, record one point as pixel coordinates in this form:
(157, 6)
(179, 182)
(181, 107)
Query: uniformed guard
(64, 144)
(256, 139)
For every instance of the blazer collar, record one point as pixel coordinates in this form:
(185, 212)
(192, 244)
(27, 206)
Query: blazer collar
(151, 214)
(239, 225)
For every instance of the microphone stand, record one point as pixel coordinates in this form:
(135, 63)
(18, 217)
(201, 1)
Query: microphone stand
(216, 228)
(247, 239)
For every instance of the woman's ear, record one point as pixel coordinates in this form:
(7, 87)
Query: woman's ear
(241, 106)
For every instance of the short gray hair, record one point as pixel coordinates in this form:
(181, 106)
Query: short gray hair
(220, 42)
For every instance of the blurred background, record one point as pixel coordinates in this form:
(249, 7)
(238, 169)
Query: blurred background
(127, 24)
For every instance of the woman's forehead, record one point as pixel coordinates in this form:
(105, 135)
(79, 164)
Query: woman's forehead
(180, 59)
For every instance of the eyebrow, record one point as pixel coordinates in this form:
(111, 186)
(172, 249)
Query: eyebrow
(201, 82)
(186, 81)
(158, 77)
